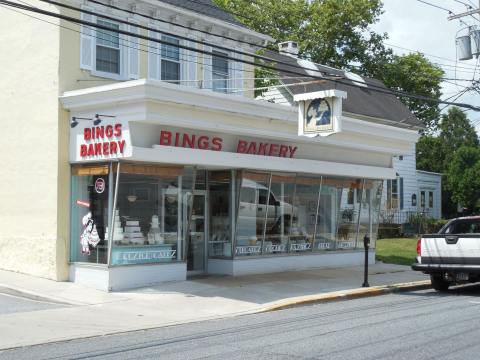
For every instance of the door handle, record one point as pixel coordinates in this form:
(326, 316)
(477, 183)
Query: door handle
(451, 239)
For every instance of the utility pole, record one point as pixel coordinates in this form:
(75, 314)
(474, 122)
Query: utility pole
(467, 13)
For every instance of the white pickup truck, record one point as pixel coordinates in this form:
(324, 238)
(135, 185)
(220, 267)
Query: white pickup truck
(451, 256)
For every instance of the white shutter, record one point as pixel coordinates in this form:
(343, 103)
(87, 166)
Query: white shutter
(192, 65)
(184, 59)
(87, 42)
(124, 54)
(207, 68)
(154, 57)
(238, 75)
(133, 52)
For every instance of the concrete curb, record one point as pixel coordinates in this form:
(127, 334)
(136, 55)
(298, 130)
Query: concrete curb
(31, 295)
(348, 295)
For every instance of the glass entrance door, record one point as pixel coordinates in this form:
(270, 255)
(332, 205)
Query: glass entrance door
(196, 245)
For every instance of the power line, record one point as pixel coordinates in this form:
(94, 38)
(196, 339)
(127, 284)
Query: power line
(156, 53)
(111, 6)
(436, 6)
(190, 28)
(239, 40)
(353, 83)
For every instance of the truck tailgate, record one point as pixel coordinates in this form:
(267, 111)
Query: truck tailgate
(450, 249)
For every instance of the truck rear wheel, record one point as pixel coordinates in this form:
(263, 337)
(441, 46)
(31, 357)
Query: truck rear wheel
(439, 282)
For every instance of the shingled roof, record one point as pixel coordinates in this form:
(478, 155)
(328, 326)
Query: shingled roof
(363, 100)
(205, 7)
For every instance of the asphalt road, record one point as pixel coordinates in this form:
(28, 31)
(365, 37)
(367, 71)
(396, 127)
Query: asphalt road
(413, 325)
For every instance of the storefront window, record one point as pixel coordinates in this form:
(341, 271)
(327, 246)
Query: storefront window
(151, 214)
(252, 213)
(326, 230)
(279, 214)
(220, 196)
(347, 216)
(305, 205)
(89, 216)
(369, 212)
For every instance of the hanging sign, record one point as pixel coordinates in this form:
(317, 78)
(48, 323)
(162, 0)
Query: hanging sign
(320, 112)
(107, 140)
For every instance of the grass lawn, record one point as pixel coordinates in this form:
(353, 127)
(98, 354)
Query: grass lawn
(397, 251)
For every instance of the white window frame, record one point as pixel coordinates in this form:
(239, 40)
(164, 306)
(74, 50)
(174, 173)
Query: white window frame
(122, 75)
(228, 74)
(390, 193)
(180, 61)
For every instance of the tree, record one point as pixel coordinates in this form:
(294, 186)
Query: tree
(338, 33)
(430, 154)
(331, 32)
(436, 153)
(463, 177)
(415, 74)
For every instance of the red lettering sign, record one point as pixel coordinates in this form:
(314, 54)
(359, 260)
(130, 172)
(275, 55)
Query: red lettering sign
(203, 142)
(106, 145)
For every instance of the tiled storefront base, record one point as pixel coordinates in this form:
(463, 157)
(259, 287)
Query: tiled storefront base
(126, 277)
(134, 276)
(261, 265)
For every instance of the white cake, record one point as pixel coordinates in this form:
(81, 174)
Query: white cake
(118, 231)
(154, 235)
(133, 233)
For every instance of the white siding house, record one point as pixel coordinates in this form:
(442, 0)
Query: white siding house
(413, 191)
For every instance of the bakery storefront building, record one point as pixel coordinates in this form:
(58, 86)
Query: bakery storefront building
(168, 182)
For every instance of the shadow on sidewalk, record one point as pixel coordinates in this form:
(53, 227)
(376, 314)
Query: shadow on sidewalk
(266, 288)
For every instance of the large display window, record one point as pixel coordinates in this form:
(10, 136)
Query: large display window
(152, 209)
(89, 214)
(160, 214)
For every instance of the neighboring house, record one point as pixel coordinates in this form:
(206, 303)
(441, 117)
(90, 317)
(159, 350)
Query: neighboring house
(119, 150)
(412, 192)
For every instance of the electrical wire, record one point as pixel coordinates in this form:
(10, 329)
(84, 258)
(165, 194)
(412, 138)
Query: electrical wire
(353, 83)
(223, 36)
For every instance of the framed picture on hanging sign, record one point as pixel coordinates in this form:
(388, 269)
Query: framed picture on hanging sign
(320, 112)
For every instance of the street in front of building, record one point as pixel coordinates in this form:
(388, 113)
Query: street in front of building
(411, 325)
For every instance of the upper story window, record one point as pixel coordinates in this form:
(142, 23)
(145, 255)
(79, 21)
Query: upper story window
(170, 62)
(106, 53)
(108, 48)
(219, 72)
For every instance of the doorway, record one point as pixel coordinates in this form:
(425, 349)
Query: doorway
(196, 233)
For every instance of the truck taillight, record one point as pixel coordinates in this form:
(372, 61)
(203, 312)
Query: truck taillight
(419, 247)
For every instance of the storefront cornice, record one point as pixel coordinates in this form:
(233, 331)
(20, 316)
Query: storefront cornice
(152, 90)
(172, 105)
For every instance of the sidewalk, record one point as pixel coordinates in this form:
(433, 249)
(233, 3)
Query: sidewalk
(87, 312)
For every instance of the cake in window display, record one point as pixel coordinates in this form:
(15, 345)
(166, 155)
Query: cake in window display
(154, 235)
(133, 233)
(117, 230)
